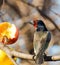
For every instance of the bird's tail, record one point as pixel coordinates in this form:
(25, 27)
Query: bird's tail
(39, 59)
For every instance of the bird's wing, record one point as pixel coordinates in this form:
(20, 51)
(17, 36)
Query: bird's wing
(43, 43)
(40, 39)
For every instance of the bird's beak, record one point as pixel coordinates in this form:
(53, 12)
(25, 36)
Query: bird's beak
(31, 22)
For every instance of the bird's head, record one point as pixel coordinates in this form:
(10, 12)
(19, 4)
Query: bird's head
(39, 25)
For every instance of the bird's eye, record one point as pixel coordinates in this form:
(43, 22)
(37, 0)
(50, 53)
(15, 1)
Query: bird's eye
(41, 27)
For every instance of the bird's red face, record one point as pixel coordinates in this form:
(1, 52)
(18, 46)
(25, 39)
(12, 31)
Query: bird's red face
(35, 23)
(8, 33)
(35, 20)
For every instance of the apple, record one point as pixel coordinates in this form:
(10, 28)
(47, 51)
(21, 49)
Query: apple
(8, 33)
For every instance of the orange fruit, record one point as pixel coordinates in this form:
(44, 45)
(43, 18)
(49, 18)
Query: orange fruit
(4, 60)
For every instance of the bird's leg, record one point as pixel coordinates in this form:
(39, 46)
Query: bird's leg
(47, 58)
(34, 57)
(44, 54)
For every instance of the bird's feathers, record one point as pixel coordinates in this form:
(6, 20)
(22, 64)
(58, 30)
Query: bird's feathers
(41, 42)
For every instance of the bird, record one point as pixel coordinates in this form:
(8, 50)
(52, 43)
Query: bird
(42, 37)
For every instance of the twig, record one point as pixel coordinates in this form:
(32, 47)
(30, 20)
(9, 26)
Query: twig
(22, 55)
(15, 53)
(30, 57)
(52, 58)
(26, 56)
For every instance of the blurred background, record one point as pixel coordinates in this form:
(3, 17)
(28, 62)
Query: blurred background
(19, 12)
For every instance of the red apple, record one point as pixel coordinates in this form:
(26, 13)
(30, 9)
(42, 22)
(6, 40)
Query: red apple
(8, 33)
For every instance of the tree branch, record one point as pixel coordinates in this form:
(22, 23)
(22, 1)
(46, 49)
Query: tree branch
(26, 56)
(52, 58)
